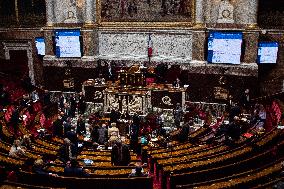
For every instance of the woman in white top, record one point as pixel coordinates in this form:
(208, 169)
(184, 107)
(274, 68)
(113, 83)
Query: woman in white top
(17, 150)
(113, 133)
(262, 117)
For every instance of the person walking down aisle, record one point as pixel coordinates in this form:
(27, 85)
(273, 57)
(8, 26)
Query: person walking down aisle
(103, 132)
(81, 103)
(81, 126)
(67, 151)
(120, 154)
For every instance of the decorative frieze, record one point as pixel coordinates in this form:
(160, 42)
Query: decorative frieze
(166, 46)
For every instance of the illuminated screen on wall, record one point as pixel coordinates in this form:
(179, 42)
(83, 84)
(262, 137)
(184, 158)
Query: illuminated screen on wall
(267, 52)
(40, 45)
(224, 47)
(67, 43)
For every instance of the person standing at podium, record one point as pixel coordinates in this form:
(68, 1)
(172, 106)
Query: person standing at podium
(114, 116)
(177, 83)
(81, 103)
(111, 71)
(178, 115)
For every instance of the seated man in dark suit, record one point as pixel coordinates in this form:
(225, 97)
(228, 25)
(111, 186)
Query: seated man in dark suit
(120, 154)
(72, 136)
(183, 134)
(234, 129)
(74, 171)
(138, 172)
(234, 111)
(46, 98)
(38, 168)
(57, 127)
(67, 151)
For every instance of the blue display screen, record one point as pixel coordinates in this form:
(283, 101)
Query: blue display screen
(224, 47)
(40, 45)
(267, 52)
(67, 43)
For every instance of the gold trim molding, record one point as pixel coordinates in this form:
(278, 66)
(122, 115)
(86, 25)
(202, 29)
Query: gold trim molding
(252, 26)
(199, 25)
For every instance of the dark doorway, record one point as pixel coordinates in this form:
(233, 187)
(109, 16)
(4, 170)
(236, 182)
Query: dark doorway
(17, 66)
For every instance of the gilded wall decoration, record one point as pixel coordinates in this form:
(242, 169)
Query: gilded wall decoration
(146, 10)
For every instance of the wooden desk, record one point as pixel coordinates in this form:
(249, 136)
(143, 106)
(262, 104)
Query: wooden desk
(134, 99)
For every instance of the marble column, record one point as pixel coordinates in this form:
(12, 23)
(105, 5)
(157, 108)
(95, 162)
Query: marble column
(49, 12)
(252, 14)
(89, 12)
(199, 19)
(251, 42)
(206, 11)
(90, 45)
(198, 40)
(48, 42)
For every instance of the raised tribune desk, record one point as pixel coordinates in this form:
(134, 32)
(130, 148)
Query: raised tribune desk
(134, 99)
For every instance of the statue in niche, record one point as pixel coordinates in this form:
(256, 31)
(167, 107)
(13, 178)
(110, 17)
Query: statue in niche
(225, 12)
(71, 12)
(71, 18)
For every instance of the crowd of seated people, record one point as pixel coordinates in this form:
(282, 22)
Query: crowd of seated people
(240, 118)
(109, 134)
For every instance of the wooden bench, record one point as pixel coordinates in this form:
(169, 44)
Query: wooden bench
(243, 180)
(221, 171)
(86, 183)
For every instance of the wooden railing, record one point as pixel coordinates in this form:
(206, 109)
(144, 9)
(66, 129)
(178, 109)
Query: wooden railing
(242, 180)
(86, 183)
(222, 171)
